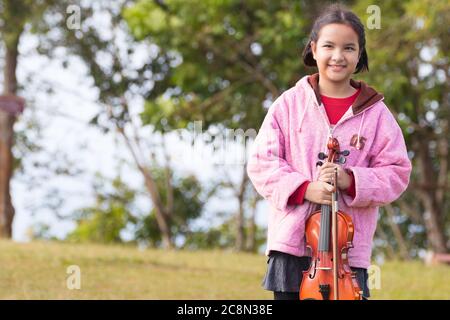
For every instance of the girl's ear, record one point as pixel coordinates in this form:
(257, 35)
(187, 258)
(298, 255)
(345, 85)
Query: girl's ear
(313, 49)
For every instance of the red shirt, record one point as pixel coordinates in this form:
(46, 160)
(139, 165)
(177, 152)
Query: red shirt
(335, 109)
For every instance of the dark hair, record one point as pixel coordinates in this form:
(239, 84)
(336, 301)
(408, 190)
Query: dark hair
(338, 14)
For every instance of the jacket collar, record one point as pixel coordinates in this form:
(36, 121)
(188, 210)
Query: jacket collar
(367, 96)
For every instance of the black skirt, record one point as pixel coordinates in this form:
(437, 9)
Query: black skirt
(285, 272)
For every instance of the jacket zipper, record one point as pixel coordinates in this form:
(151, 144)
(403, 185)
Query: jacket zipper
(331, 129)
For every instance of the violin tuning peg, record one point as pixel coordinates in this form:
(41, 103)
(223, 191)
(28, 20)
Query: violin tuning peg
(322, 156)
(342, 160)
(319, 163)
(345, 153)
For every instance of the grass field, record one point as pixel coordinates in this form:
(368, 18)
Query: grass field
(39, 270)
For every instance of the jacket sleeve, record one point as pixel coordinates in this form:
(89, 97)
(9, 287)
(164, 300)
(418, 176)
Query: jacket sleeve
(272, 176)
(389, 170)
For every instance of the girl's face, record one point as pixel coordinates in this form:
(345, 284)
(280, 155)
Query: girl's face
(336, 52)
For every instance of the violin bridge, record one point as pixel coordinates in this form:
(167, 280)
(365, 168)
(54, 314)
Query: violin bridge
(323, 268)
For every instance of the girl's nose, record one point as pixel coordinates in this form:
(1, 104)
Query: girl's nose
(337, 55)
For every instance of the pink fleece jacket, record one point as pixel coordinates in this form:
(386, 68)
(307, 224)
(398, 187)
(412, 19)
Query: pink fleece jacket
(284, 155)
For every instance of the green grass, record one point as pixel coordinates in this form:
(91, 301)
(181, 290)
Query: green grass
(38, 270)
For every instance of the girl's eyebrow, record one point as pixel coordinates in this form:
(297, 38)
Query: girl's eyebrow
(347, 44)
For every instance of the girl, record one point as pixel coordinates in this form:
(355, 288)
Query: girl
(296, 129)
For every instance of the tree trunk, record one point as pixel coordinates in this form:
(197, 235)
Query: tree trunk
(397, 233)
(435, 233)
(240, 232)
(432, 215)
(162, 216)
(7, 141)
(389, 251)
(251, 234)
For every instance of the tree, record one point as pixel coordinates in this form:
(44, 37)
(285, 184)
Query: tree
(109, 53)
(14, 15)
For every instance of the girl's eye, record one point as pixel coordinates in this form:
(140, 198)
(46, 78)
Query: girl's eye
(350, 48)
(327, 46)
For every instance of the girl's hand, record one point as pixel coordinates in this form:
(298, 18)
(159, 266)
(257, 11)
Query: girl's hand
(326, 172)
(319, 192)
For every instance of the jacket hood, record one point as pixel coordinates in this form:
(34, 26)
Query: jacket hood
(367, 96)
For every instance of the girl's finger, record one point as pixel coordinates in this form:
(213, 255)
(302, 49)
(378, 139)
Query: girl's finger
(327, 171)
(330, 171)
(327, 165)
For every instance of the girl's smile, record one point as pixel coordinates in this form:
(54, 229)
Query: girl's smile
(336, 68)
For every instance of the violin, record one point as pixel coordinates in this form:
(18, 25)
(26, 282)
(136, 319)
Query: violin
(329, 235)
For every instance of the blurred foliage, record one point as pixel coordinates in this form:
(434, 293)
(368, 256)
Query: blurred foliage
(188, 206)
(411, 68)
(109, 52)
(15, 14)
(104, 221)
(41, 231)
(115, 210)
(222, 236)
(229, 57)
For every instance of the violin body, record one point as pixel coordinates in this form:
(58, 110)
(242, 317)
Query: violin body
(329, 236)
(315, 276)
